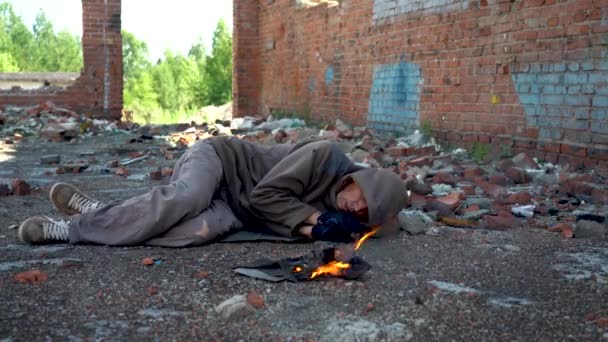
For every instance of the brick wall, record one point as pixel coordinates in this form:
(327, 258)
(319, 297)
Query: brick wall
(531, 75)
(98, 90)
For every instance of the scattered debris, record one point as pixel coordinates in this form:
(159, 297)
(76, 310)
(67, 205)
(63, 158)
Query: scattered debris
(50, 159)
(255, 300)
(32, 277)
(21, 188)
(447, 187)
(156, 175)
(234, 308)
(4, 190)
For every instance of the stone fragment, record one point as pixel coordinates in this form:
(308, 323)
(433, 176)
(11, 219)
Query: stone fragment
(519, 198)
(458, 222)
(234, 308)
(483, 203)
(167, 172)
(599, 195)
(74, 166)
(422, 161)
(421, 188)
(50, 159)
(468, 190)
(475, 215)
(590, 230)
(498, 179)
(524, 161)
(517, 175)
(280, 136)
(523, 211)
(441, 208)
(21, 187)
(444, 178)
(147, 261)
(558, 228)
(499, 222)
(471, 172)
(504, 164)
(398, 151)
(255, 300)
(32, 277)
(494, 190)
(417, 201)
(156, 175)
(412, 222)
(567, 233)
(122, 171)
(4, 190)
(452, 200)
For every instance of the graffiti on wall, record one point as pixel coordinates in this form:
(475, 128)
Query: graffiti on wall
(384, 9)
(394, 97)
(329, 75)
(564, 96)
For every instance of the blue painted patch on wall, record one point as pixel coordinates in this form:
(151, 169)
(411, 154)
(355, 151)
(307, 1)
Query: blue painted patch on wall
(329, 75)
(394, 97)
(565, 96)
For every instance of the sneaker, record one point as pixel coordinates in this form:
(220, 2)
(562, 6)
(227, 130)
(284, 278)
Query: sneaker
(69, 200)
(42, 229)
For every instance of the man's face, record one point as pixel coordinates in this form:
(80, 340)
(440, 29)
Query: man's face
(351, 199)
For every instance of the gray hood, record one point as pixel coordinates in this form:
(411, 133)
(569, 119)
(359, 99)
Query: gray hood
(384, 193)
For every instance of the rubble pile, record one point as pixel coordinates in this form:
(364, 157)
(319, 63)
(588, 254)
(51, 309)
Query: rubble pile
(446, 187)
(50, 121)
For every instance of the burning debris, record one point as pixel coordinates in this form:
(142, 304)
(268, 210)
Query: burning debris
(340, 261)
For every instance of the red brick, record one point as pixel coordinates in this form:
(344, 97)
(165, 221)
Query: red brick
(21, 187)
(498, 179)
(156, 175)
(444, 178)
(398, 151)
(452, 200)
(519, 198)
(504, 164)
(517, 175)
(494, 190)
(471, 172)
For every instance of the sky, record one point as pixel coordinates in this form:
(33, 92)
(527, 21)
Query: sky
(174, 25)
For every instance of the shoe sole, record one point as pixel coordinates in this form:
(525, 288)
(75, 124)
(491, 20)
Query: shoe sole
(20, 230)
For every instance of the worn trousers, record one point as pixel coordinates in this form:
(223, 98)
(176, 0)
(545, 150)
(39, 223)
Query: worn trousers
(189, 211)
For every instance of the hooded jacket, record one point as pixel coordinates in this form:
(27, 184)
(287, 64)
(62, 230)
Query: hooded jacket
(281, 186)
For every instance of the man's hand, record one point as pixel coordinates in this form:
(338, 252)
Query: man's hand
(337, 226)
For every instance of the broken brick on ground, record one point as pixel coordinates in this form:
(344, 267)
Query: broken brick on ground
(445, 186)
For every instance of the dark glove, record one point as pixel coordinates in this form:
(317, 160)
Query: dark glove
(337, 226)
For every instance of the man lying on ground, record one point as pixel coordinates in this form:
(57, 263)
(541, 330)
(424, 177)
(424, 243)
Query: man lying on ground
(309, 190)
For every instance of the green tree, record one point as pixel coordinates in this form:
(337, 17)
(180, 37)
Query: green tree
(40, 49)
(164, 83)
(219, 66)
(134, 55)
(197, 55)
(20, 39)
(69, 49)
(7, 62)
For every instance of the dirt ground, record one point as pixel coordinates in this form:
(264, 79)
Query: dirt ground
(523, 284)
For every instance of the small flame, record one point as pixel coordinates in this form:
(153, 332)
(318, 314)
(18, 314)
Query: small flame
(359, 243)
(297, 269)
(337, 268)
(334, 268)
